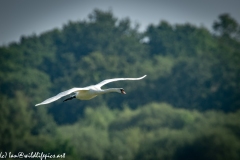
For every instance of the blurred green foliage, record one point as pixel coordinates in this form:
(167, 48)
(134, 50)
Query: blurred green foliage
(186, 108)
(154, 131)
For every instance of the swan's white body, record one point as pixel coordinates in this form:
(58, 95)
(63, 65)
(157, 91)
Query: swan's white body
(89, 92)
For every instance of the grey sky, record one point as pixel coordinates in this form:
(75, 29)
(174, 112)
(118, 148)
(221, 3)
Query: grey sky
(25, 17)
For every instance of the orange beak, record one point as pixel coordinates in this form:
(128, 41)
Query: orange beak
(123, 92)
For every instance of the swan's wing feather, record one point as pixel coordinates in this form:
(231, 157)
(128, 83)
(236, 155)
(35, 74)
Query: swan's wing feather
(62, 94)
(117, 79)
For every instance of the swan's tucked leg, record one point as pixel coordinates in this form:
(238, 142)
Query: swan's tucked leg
(70, 98)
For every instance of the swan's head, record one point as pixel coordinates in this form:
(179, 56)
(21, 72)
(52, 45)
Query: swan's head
(122, 91)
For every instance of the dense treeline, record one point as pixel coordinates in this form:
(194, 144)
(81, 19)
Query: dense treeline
(154, 131)
(188, 104)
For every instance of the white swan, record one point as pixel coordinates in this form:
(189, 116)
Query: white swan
(89, 92)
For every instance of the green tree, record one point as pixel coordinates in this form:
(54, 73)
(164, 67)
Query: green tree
(226, 26)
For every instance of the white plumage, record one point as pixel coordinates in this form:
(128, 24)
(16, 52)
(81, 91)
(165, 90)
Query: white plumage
(89, 92)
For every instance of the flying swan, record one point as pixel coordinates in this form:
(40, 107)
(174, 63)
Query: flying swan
(89, 92)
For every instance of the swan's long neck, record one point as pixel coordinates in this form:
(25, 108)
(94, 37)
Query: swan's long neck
(110, 90)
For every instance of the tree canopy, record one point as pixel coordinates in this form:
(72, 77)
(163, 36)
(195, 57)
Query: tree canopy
(188, 104)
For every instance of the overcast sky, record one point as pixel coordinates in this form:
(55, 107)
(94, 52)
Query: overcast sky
(26, 17)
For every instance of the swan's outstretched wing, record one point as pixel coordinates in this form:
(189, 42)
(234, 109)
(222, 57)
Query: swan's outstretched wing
(49, 100)
(117, 79)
